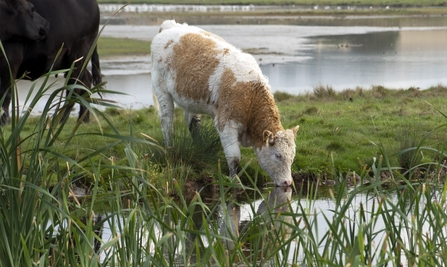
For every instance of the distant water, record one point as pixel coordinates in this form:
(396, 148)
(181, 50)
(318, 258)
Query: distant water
(395, 59)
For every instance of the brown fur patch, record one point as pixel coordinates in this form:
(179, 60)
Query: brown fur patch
(194, 61)
(169, 43)
(249, 103)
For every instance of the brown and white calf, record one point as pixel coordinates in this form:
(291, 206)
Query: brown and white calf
(203, 74)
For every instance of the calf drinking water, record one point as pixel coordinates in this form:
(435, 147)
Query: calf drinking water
(203, 74)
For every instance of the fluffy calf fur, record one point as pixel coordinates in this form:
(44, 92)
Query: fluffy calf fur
(204, 74)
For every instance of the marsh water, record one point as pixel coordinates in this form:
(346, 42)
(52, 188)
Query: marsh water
(281, 207)
(394, 59)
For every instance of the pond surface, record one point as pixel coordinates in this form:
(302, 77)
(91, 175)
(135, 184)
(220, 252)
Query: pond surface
(394, 59)
(357, 210)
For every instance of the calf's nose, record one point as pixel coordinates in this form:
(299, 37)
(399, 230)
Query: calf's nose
(287, 183)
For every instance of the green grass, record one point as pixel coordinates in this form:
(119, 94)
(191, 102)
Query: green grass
(346, 127)
(333, 131)
(122, 47)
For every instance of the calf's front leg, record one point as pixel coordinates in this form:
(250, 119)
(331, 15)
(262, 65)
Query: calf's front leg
(230, 144)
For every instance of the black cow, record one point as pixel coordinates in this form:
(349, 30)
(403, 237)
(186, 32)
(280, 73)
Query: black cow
(20, 21)
(73, 26)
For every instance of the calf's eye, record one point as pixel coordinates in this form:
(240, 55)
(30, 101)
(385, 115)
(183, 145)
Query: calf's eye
(278, 156)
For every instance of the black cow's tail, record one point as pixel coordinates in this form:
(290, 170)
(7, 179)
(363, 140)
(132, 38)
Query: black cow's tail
(96, 68)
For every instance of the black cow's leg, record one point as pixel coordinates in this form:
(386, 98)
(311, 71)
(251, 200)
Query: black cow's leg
(85, 80)
(5, 95)
(5, 106)
(14, 52)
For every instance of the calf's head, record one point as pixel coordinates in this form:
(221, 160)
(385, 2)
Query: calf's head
(277, 155)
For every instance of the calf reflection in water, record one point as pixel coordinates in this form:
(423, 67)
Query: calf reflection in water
(269, 223)
(75, 234)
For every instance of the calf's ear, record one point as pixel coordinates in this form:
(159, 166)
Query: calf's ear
(295, 130)
(268, 137)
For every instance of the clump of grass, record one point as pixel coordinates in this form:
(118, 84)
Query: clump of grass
(324, 92)
(199, 152)
(348, 94)
(31, 217)
(313, 110)
(379, 91)
(282, 96)
(410, 154)
(335, 146)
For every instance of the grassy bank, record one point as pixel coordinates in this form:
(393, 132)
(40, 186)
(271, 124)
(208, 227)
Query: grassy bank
(339, 9)
(291, 2)
(340, 132)
(109, 47)
(350, 128)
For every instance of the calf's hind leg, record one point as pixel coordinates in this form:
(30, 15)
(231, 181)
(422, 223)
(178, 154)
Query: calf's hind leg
(193, 121)
(166, 114)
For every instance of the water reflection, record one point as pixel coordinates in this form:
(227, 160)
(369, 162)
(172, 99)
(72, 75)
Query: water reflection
(395, 59)
(293, 226)
(234, 218)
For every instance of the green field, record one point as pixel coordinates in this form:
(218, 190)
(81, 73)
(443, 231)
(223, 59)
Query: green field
(109, 47)
(340, 133)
